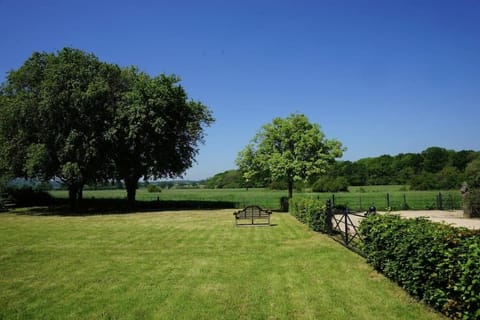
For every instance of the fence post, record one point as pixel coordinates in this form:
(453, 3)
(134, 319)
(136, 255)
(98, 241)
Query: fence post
(405, 206)
(388, 200)
(440, 201)
(345, 217)
(333, 199)
(328, 212)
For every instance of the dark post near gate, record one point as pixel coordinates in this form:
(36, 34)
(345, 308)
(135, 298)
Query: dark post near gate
(328, 211)
(440, 201)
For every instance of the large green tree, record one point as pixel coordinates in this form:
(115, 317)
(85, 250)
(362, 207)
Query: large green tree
(291, 149)
(56, 111)
(70, 116)
(156, 129)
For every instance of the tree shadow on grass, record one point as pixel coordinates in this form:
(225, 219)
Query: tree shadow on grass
(88, 207)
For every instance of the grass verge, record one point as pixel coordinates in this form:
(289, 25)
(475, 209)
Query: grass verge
(186, 265)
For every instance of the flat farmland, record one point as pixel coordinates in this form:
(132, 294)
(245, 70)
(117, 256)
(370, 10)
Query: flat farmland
(358, 198)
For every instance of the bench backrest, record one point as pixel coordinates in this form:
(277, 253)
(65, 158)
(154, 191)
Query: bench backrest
(252, 211)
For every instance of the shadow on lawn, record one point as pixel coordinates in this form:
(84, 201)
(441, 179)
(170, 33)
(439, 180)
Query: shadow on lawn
(119, 206)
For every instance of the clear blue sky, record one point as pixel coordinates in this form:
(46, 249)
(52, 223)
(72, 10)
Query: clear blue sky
(381, 76)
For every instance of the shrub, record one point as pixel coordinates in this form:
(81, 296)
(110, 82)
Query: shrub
(337, 184)
(312, 213)
(278, 185)
(473, 202)
(153, 188)
(434, 262)
(284, 204)
(27, 197)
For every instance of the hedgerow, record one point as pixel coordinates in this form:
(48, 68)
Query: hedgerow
(434, 262)
(312, 213)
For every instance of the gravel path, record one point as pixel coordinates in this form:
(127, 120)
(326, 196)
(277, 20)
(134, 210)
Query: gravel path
(450, 217)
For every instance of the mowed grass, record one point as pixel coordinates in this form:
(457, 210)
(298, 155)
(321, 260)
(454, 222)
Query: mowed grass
(186, 265)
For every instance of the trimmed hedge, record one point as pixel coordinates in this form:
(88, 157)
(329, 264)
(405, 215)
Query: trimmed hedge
(434, 262)
(312, 213)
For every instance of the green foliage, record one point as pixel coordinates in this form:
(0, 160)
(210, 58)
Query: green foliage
(312, 213)
(331, 184)
(284, 204)
(70, 116)
(423, 181)
(156, 129)
(434, 159)
(230, 179)
(288, 149)
(28, 197)
(422, 171)
(434, 262)
(473, 202)
(57, 108)
(472, 173)
(153, 188)
(446, 179)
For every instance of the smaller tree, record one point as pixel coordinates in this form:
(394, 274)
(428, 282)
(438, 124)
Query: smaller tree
(472, 173)
(291, 149)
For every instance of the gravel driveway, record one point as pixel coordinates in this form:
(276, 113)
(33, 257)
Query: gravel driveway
(450, 217)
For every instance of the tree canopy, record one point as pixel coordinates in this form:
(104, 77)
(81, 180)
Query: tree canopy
(288, 148)
(57, 108)
(156, 129)
(72, 117)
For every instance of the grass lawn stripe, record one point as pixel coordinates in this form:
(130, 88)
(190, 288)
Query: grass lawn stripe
(186, 265)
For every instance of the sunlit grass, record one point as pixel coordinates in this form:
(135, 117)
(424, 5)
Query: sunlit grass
(186, 265)
(359, 198)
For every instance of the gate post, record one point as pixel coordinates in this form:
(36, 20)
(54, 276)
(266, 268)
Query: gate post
(345, 220)
(328, 213)
(440, 201)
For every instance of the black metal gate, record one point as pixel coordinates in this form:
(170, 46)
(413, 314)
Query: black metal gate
(345, 228)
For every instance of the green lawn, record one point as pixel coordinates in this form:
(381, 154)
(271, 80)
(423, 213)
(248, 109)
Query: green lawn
(186, 265)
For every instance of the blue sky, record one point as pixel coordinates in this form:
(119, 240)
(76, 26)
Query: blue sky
(383, 77)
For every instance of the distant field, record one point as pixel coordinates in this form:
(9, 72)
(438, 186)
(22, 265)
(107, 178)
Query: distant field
(186, 265)
(242, 197)
(400, 198)
(359, 198)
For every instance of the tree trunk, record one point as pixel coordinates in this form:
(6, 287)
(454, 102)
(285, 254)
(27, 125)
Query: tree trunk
(131, 186)
(80, 194)
(73, 197)
(290, 189)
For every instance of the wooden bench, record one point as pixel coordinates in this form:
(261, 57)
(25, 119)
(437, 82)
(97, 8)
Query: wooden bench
(254, 215)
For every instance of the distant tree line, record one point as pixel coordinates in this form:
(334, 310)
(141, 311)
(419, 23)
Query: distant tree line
(434, 168)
